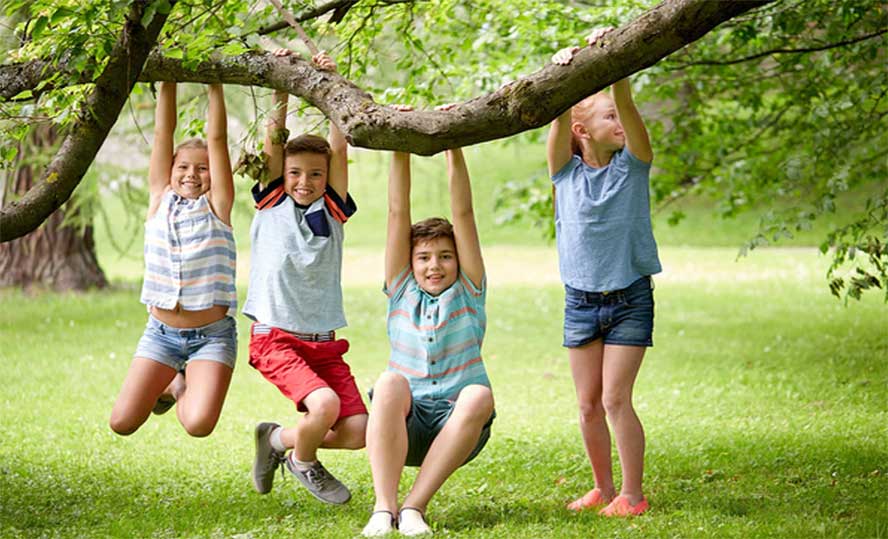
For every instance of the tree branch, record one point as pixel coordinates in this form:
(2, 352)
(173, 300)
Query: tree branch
(338, 7)
(527, 103)
(99, 112)
(524, 104)
(778, 51)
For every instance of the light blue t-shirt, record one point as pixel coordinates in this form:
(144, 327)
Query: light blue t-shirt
(603, 223)
(296, 261)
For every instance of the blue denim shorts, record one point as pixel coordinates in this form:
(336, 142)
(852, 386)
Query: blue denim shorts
(620, 317)
(426, 419)
(175, 347)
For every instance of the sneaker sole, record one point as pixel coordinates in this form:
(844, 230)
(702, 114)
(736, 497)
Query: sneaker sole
(257, 441)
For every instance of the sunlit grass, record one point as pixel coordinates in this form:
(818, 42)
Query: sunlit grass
(763, 401)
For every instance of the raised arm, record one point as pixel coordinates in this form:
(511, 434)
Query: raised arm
(637, 139)
(397, 243)
(337, 177)
(275, 136)
(468, 247)
(161, 164)
(221, 179)
(558, 151)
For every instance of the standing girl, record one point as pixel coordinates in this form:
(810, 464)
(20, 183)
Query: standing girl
(599, 157)
(189, 278)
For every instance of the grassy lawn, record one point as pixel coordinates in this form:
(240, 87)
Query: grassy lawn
(764, 402)
(764, 399)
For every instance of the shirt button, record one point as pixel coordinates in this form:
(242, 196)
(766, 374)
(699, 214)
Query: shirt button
(434, 382)
(431, 339)
(433, 362)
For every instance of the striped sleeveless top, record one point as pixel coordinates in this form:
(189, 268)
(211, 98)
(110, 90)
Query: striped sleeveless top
(190, 257)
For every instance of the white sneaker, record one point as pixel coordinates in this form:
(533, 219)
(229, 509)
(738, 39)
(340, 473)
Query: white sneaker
(411, 521)
(380, 523)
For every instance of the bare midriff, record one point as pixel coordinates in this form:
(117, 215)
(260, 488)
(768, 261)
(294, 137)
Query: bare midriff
(180, 318)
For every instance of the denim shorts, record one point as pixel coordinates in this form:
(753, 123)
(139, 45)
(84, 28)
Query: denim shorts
(620, 317)
(426, 419)
(175, 347)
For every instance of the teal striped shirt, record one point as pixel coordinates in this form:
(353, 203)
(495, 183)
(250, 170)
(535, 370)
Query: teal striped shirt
(436, 340)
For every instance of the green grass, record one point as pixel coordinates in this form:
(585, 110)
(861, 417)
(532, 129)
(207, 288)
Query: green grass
(763, 402)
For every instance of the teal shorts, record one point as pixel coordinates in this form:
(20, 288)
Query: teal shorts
(426, 419)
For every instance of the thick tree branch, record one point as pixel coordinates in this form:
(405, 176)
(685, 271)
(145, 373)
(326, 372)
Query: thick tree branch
(527, 103)
(100, 111)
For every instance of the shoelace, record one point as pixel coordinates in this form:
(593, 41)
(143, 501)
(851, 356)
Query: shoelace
(281, 464)
(318, 475)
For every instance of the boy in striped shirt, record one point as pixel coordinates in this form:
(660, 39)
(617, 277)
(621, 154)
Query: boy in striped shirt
(433, 407)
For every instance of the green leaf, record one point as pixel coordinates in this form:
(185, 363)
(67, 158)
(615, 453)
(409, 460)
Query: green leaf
(38, 28)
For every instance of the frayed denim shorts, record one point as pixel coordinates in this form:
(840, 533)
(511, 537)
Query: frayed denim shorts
(620, 317)
(175, 347)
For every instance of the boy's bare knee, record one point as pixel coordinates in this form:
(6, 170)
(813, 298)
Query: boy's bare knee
(390, 382)
(476, 402)
(323, 405)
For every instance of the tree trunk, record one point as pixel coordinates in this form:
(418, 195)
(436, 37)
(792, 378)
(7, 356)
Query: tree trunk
(57, 256)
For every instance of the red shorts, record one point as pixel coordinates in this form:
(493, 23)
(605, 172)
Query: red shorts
(299, 367)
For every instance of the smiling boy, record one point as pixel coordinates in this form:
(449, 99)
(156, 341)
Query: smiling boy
(433, 407)
(295, 300)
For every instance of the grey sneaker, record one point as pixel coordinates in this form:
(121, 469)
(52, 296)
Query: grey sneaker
(267, 458)
(321, 483)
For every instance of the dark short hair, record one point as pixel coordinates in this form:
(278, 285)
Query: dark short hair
(431, 229)
(308, 143)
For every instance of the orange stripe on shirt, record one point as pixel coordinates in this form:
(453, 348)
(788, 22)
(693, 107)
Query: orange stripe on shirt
(451, 370)
(335, 210)
(454, 314)
(270, 197)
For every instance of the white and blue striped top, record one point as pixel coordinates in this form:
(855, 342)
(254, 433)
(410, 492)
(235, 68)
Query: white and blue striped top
(190, 257)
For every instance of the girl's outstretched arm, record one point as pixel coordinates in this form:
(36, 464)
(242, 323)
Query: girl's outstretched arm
(558, 151)
(637, 139)
(465, 232)
(161, 164)
(397, 243)
(221, 193)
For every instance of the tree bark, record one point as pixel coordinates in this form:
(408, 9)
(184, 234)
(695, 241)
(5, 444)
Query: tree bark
(56, 255)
